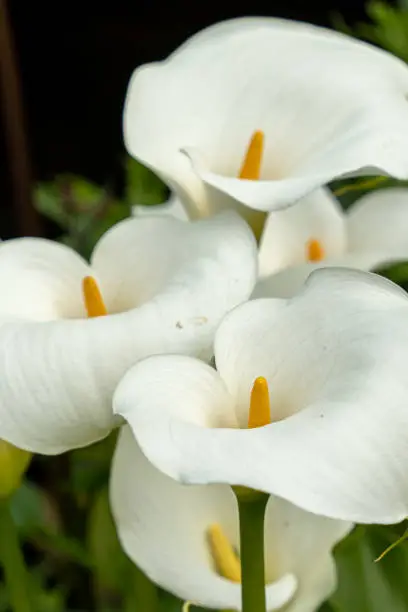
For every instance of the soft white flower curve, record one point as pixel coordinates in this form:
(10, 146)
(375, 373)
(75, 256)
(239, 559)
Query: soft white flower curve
(172, 207)
(167, 284)
(371, 233)
(162, 527)
(329, 106)
(335, 359)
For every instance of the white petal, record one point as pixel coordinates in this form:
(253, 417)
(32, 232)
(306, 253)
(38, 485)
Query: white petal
(190, 117)
(162, 526)
(337, 382)
(172, 207)
(57, 378)
(287, 232)
(206, 401)
(288, 282)
(299, 542)
(132, 268)
(379, 222)
(40, 280)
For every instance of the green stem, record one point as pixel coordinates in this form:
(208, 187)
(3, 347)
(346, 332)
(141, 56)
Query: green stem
(11, 558)
(251, 508)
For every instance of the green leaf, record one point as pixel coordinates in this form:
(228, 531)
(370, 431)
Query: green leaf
(388, 27)
(90, 468)
(366, 586)
(143, 187)
(117, 579)
(45, 599)
(169, 603)
(65, 547)
(67, 196)
(350, 190)
(94, 227)
(85, 194)
(339, 23)
(38, 522)
(47, 200)
(394, 545)
(397, 272)
(83, 210)
(109, 561)
(326, 607)
(32, 509)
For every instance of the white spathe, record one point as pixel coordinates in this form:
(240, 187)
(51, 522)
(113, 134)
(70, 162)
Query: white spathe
(335, 359)
(162, 526)
(371, 233)
(167, 285)
(172, 207)
(329, 106)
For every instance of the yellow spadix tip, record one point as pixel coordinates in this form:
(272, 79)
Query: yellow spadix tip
(94, 303)
(259, 407)
(314, 250)
(251, 167)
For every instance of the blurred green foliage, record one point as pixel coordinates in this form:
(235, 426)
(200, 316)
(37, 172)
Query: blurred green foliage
(387, 28)
(366, 586)
(397, 272)
(84, 211)
(57, 556)
(142, 186)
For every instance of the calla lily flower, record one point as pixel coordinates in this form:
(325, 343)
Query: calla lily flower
(163, 286)
(172, 207)
(308, 401)
(316, 233)
(259, 112)
(185, 537)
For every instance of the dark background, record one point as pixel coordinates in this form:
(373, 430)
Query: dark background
(75, 59)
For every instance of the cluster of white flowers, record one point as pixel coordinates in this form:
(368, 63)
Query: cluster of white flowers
(248, 122)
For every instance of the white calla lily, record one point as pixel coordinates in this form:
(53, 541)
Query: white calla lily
(317, 233)
(165, 285)
(314, 228)
(313, 104)
(172, 207)
(164, 527)
(334, 357)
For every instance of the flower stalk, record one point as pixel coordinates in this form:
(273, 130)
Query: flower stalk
(251, 509)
